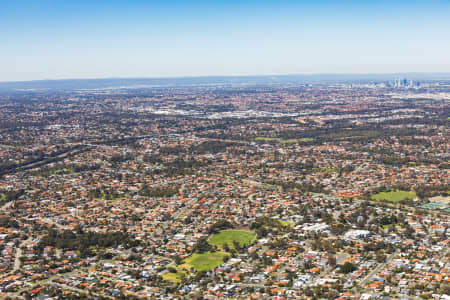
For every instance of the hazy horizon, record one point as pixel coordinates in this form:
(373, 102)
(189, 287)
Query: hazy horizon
(393, 75)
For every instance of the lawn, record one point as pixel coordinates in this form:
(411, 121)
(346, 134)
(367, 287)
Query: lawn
(387, 226)
(62, 171)
(287, 223)
(293, 141)
(203, 261)
(323, 169)
(266, 139)
(393, 196)
(173, 277)
(243, 237)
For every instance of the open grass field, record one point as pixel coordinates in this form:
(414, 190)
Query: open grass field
(203, 261)
(243, 237)
(103, 197)
(387, 226)
(394, 196)
(323, 169)
(173, 277)
(61, 171)
(287, 223)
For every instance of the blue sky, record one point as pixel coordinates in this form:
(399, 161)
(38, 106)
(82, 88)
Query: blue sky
(45, 39)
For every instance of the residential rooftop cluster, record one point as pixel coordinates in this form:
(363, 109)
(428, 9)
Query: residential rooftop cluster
(319, 191)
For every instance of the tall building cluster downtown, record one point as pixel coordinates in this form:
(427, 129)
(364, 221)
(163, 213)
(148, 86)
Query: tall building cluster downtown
(404, 83)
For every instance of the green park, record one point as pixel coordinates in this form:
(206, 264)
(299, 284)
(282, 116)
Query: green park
(394, 196)
(243, 237)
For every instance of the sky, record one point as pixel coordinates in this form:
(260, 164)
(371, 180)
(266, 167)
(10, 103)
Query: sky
(43, 39)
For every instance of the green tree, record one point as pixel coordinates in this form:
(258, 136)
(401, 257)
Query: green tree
(347, 268)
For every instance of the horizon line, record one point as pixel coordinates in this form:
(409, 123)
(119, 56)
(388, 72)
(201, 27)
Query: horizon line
(230, 76)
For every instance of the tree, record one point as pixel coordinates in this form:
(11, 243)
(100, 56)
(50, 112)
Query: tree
(347, 268)
(178, 260)
(202, 245)
(220, 225)
(381, 258)
(236, 245)
(331, 260)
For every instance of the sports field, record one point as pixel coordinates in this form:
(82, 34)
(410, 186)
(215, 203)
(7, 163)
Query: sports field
(173, 277)
(243, 237)
(203, 261)
(394, 196)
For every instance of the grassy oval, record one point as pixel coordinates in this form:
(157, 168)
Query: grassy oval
(243, 237)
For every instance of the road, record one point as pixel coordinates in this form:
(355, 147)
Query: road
(51, 281)
(6, 206)
(378, 268)
(177, 214)
(339, 260)
(44, 161)
(51, 222)
(19, 254)
(17, 257)
(81, 291)
(78, 148)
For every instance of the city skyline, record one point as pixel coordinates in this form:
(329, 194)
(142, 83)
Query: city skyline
(107, 39)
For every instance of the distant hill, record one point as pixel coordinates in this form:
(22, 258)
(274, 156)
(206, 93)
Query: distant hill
(73, 84)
